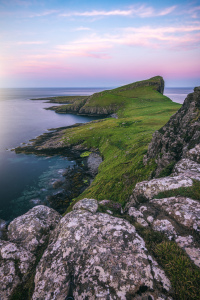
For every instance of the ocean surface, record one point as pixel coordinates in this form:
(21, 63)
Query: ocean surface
(26, 180)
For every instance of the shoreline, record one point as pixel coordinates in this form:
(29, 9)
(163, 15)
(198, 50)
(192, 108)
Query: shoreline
(76, 178)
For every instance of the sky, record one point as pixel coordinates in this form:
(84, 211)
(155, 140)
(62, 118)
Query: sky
(107, 43)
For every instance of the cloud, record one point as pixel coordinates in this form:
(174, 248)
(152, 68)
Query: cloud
(45, 13)
(81, 28)
(140, 11)
(96, 46)
(85, 48)
(31, 43)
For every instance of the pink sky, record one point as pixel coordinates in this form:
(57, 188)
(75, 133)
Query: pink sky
(52, 44)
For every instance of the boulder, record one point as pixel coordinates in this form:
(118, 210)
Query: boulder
(184, 210)
(15, 263)
(31, 229)
(106, 256)
(147, 189)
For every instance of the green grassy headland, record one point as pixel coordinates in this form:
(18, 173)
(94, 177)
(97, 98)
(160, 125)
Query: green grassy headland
(122, 142)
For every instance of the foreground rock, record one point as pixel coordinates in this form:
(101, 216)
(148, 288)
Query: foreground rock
(180, 134)
(26, 234)
(106, 256)
(31, 229)
(15, 264)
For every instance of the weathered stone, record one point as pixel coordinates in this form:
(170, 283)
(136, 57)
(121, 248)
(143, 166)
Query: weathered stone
(8, 278)
(15, 262)
(184, 210)
(93, 162)
(138, 216)
(188, 168)
(166, 227)
(31, 229)
(178, 135)
(148, 189)
(194, 154)
(106, 256)
(87, 204)
(194, 254)
(187, 243)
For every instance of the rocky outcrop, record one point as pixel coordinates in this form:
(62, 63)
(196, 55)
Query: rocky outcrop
(105, 255)
(180, 134)
(178, 217)
(26, 235)
(31, 229)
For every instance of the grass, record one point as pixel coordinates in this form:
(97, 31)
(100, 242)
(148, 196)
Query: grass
(182, 273)
(190, 192)
(122, 142)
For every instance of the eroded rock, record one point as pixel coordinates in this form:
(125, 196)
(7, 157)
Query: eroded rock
(187, 167)
(106, 256)
(31, 229)
(148, 189)
(184, 210)
(86, 204)
(15, 263)
(181, 133)
(166, 227)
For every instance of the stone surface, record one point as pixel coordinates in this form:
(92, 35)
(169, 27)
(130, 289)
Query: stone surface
(184, 210)
(94, 160)
(187, 167)
(106, 256)
(181, 133)
(166, 227)
(31, 229)
(148, 189)
(194, 154)
(87, 204)
(138, 216)
(8, 278)
(15, 262)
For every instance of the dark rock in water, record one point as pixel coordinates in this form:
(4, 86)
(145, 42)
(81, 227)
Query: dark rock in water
(180, 134)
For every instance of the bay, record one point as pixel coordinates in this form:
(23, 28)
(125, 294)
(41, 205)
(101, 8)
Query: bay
(26, 180)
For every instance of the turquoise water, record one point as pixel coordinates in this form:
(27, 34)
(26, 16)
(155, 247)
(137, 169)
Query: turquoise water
(27, 180)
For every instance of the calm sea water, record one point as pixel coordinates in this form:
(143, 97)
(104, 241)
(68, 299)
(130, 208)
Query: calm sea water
(26, 180)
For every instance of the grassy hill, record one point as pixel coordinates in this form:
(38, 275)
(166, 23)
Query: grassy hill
(122, 142)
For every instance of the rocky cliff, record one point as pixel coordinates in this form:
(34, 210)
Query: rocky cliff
(106, 102)
(181, 133)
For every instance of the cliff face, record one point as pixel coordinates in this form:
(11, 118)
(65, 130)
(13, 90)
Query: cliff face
(108, 102)
(181, 133)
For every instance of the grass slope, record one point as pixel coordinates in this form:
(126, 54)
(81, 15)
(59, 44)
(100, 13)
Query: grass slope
(123, 142)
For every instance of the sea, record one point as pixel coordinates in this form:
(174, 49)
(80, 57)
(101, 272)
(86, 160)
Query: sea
(27, 180)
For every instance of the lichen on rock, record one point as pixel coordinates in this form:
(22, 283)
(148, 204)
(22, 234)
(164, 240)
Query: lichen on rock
(31, 229)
